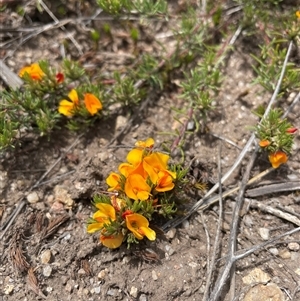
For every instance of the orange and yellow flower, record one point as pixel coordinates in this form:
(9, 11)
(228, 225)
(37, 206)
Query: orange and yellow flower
(149, 143)
(34, 71)
(298, 14)
(139, 226)
(67, 107)
(136, 187)
(165, 181)
(105, 215)
(278, 158)
(92, 103)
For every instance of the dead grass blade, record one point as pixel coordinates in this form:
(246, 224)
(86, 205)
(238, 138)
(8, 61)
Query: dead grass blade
(54, 225)
(16, 254)
(33, 283)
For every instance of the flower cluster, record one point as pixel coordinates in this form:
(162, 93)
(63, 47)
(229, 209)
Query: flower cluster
(276, 137)
(143, 186)
(67, 107)
(72, 105)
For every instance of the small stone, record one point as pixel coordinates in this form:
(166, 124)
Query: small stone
(8, 289)
(293, 246)
(274, 251)
(264, 233)
(143, 297)
(81, 272)
(297, 271)
(169, 250)
(32, 197)
(154, 275)
(121, 121)
(263, 292)
(171, 278)
(46, 257)
(47, 270)
(285, 254)
(185, 224)
(102, 274)
(256, 275)
(111, 292)
(133, 292)
(97, 289)
(171, 234)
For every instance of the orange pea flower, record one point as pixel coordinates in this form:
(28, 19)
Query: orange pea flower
(298, 14)
(278, 158)
(104, 215)
(111, 241)
(113, 181)
(136, 187)
(117, 203)
(165, 181)
(155, 163)
(34, 71)
(139, 226)
(67, 107)
(264, 143)
(92, 103)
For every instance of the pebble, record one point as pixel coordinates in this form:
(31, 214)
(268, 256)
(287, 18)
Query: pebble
(274, 251)
(32, 197)
(102, 274)
(154, 275)
(256, 275)
(8, 289)
(47, 270)
(133, 292)
(111, 292)
(171, 234)
(46, 257)
(97, 290)
(293, 246)
(185, 224)
(285, 254)
(264, 292)
(121, 121)
(264, 233)
(143, 297)
(171, 278)
(169, 250)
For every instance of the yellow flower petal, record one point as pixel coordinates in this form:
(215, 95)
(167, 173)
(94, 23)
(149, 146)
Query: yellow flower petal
(112, 241)
(92, 103)
(149, 143)
(94, 227)
(165, 181)
(67, 107)
(113, 181)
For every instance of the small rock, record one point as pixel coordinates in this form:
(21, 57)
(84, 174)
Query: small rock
(185, 224)
(297, 271)
(81, 272)
(264, 233)
(263, 292)
(47, 270)
(46, 257)
(274, 251)
(121, 121)
(255, 276)
(293, 246)
(32, 197)
(285, 254)
(102, 274)
(154, 275)
(133, 292)
(143, 297)
(171, 278)
(171, 233)
(3, 179)
(111, 292)
(97, 289)
(70, 285)
(169, 250)
(8, 289)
